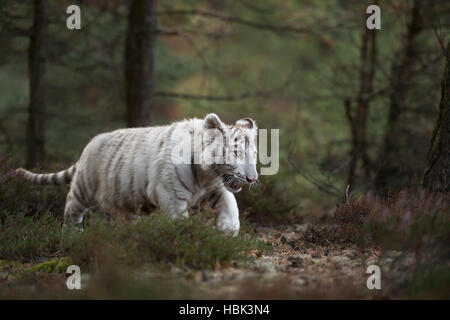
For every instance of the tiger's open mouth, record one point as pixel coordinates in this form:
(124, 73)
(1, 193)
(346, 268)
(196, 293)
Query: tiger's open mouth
(235, 186)
(232, 184)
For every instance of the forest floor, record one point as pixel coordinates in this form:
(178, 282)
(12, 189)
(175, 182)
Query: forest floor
(299, 269)
(293, 269)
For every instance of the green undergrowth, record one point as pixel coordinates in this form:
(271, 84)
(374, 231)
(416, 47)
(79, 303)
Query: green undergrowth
(406, 221)
(409, 222)
(154, 239)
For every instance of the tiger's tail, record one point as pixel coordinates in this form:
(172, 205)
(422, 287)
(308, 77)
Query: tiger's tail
(56, 178)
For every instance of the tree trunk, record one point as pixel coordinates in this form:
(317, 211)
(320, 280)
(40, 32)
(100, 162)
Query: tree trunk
(437, 173)
(37, 54)
(358, 118)
(139, 56)
(401, 70)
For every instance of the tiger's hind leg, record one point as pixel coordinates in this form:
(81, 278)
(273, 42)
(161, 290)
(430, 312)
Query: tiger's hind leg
(74, 211)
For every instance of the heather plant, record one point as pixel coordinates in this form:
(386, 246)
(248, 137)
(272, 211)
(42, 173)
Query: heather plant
(269, 201)
(409, 220)
(28, 238)
(406, 220)
(19, 196)
(158, 240)
(154, 239)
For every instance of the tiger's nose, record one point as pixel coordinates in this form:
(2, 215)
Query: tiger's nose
(251, 179)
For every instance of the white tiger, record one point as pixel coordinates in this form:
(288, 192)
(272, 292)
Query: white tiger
(127, 169)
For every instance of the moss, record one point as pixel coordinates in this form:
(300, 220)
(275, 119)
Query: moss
(63, 263)
(53, 265)
(46, 266)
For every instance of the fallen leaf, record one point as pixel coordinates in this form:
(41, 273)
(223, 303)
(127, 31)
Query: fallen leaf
(256, 253)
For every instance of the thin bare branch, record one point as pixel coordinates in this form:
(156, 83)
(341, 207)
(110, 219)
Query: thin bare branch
(242, 96)
(165, 31)
(237, 20)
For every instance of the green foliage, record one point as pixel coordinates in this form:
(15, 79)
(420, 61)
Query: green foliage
(407, 220)
(19, 196)
(432, 282)
(27, 238)
(58, 265)
(153, 240)
(269, 201)
(46, 266)
(157, 240)
(112, 283)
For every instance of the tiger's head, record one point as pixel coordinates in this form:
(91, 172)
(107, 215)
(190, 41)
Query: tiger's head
(230, 150)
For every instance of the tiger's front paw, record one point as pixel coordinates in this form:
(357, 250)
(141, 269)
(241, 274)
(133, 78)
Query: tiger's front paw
(231, 227)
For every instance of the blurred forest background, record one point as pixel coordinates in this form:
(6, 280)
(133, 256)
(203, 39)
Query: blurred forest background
(354, 106)
(363, 114)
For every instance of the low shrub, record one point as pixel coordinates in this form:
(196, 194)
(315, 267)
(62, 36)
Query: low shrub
(269, 201)
(19, 195)
(407, 220)
(154, 239)
(157, 239)
(27, 238)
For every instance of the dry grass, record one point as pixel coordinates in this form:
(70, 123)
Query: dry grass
(406, 220)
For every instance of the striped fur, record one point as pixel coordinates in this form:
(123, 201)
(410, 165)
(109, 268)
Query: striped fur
(57, 178)
(132, 169)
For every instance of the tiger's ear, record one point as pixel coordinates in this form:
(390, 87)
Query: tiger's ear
(212, 121)
(246, 123)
